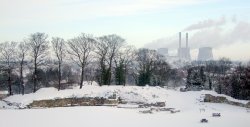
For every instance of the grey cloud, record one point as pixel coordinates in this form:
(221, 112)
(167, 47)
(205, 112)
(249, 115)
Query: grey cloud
(206, 24)
(214, 37)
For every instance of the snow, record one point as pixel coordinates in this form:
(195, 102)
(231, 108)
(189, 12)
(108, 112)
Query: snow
(4, 92)
(192, 110)
(118, 117)
(128, 93)
(3, 104)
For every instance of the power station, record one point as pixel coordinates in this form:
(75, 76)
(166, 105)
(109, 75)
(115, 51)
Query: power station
(183, 52)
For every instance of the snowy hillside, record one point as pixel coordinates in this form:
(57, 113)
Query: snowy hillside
(192, 110)
(128, 93)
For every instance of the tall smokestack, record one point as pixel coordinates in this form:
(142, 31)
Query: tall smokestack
(186, 40)
(180, 40)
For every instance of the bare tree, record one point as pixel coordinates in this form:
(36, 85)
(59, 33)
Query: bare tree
(21, 55)
(225, 64)
(128, 56)
(123, 58)
(101, 51)
(146, 59)
(80, 49)
(38, 45)
(8, 55)
(58, 45)
(113, 43)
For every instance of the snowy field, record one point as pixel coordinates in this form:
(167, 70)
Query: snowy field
(117, 117)
(191, 110)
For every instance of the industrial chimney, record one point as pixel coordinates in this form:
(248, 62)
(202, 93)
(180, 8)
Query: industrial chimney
(180, 40)
(184, 53)
(186, 40)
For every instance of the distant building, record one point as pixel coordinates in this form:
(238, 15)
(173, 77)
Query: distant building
(163, 51)
(205, 54)
(183, 52)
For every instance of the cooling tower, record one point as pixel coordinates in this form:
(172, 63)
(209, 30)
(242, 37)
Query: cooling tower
(205, 53)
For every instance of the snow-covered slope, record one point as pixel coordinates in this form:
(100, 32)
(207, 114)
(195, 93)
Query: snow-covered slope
(192, 110)
(147, 94)
(128, 93)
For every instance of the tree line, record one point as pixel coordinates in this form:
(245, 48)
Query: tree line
(38, 61)
(222, 76)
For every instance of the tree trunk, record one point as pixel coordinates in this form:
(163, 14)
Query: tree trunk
(210, 83)
(103, 73)
(9, 82)
(35, 77)
(109, 69)
(19, 88)
(109, 76)
(22, 89)
(21, 84)
(59, 76)
(82, 75)
(125, 74)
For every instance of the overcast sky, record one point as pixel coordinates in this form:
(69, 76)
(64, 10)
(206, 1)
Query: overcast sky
(221, 24)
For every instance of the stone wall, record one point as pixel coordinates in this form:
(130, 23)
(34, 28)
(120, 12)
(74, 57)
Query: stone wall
(68, 102)
(220, 99)
(2, 96)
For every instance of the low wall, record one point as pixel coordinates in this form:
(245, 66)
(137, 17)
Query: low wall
(2, 96)
(68, 102)
(221, 99)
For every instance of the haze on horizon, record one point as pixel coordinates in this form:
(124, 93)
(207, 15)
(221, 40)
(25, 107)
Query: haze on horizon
(221, 24)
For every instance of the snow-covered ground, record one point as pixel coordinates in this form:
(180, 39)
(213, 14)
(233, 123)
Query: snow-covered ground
(191, 109)
(127, 93)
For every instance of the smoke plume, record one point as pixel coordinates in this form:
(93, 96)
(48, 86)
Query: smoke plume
(209, 33)
(206, 24)
(218, 34)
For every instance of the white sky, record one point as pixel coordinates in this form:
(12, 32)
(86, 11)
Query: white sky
(138, 21)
